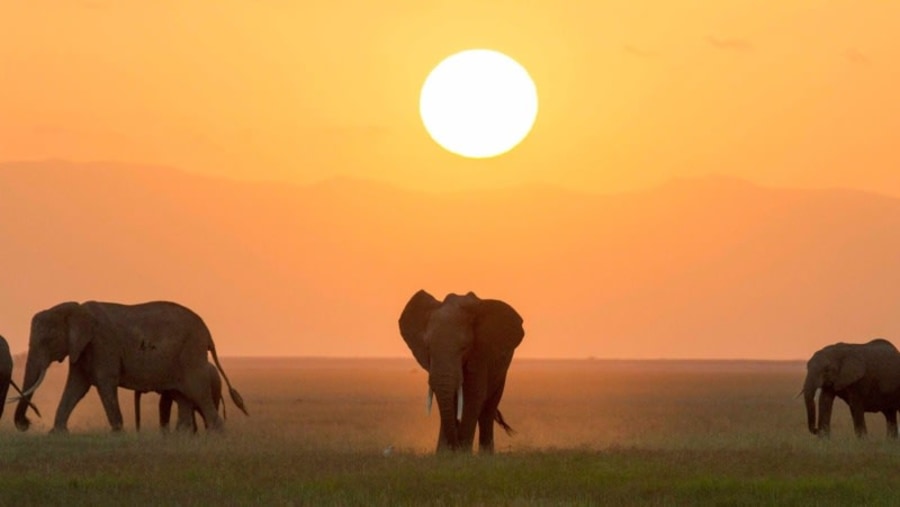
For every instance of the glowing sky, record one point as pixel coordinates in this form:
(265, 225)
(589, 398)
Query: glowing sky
(791, 93)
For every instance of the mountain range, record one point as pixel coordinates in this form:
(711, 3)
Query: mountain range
(707, 267)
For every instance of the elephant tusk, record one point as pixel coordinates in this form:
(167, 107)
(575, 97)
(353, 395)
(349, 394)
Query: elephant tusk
(428, 399)
(36, 384)
(15, 400)
(459, 404)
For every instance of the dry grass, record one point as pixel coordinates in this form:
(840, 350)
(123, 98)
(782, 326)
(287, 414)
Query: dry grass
(589, 432)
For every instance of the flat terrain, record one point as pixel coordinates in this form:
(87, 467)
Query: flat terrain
(355, 432)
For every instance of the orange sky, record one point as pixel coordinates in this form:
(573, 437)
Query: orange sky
(800, 93)
(781, 93)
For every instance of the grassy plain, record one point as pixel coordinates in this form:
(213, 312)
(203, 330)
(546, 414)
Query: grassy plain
(590, 432)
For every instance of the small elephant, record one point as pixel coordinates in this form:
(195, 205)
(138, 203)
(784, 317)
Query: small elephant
(184, 407)
(466, 345)
(158, 346)
(6, 368)
(865, 375)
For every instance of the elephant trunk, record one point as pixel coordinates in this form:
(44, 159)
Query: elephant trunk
(449, 423)
(809, 396)
(34, 375)
(809, 399)
(446, 391)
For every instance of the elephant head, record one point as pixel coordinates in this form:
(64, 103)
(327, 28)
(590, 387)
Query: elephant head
(465, 344)
(60, 331)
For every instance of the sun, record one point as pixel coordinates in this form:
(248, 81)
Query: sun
(478, 103)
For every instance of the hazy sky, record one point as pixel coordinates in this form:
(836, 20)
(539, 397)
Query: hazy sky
(800, 93)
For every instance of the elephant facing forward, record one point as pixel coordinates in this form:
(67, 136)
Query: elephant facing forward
(466, 345)
(865, 375)
(158, 346)
(186, 412)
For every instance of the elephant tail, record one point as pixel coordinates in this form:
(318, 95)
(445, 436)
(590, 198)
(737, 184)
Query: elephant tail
(502, 422)
(235, 396)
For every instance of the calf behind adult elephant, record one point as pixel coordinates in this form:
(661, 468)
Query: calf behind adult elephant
(186, 411)
(865, 375)
(157, 346)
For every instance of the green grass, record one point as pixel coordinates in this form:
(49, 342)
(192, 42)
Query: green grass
(100, 469)
(316, 438)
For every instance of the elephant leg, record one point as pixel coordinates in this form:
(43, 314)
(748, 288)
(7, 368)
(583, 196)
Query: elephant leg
(198, 395)
(4, 389)
(467, 431)
(209, 414)
(859, 419)
(890, 418)
(486, 420)
(185, 415)
(486, 433)
(109, 396)
(77, 385)
(195, 413)
(471, 409)
(165, 410)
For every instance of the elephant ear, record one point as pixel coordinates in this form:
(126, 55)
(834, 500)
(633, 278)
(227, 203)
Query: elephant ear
(852, 369)
(414, 321)
(82, 327)
(498, 326)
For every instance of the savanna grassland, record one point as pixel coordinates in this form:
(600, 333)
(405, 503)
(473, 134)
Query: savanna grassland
(355, 432)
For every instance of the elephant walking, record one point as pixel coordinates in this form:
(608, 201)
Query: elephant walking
(865, 375)
(466, 345)
(6, 368)
(158, 346)
(186, 412)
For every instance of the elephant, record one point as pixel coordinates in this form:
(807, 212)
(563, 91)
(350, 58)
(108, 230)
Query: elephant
(865, 375)
(466, 345)
(156, 346)
(184, 407)
(6, 367)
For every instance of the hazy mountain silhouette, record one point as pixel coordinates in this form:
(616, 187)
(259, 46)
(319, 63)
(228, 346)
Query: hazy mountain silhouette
(707, 267)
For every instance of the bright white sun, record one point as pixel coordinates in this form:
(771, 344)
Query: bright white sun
(478, 103)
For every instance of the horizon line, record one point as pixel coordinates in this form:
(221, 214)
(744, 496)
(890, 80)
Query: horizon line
(528, 184)
(527, 358)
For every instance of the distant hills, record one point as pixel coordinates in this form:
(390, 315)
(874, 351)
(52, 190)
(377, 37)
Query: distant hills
(696, 268)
